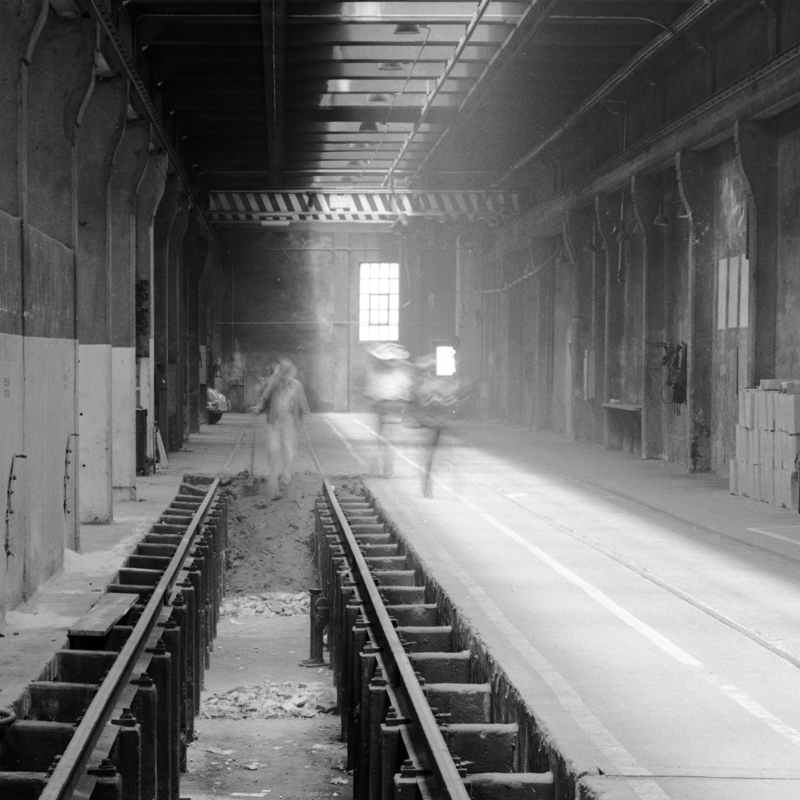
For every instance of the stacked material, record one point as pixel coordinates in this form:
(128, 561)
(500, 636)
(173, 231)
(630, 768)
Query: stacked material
(768, 443)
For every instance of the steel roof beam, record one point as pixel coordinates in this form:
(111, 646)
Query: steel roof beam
(699, 10)
(273, 33)
(396, 52)
(535, 15)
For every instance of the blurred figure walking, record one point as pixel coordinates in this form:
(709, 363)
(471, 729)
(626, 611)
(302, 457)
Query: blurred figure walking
(283, 401)
(388, 387)
(434, 402)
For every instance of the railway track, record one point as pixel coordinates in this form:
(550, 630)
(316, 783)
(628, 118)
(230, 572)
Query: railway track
(424, 713)
(111, 717)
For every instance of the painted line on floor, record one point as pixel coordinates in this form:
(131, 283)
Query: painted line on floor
(777, 536)
(398, 453)
(659, 640)
(623, 762)
(347, 444)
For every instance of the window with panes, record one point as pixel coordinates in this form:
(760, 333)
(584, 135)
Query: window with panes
(379, 304)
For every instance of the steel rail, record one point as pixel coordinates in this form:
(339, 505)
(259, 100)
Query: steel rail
(439, 760)
(75, 759)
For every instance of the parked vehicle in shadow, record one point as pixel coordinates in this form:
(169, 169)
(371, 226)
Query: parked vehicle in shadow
(217, 406)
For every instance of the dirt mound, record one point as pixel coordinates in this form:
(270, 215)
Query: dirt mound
(271, 541)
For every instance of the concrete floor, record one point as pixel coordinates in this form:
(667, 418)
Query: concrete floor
(651, 618)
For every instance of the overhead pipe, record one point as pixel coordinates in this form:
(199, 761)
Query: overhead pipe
(103, 17)
(448, 68)
(684, 22)
(528, 34)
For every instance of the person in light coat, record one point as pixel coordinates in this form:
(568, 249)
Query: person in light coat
(283, 402)
(388, 388)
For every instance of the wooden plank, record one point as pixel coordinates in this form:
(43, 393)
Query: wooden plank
(109, 610)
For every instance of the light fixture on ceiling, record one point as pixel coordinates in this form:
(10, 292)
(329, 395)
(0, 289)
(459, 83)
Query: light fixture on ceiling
(661, 220)
(359, 146)
(623, 235)
(355, 163)
(406, 29)
(368, 127)
(683, 212)
(377, 97)
(390, 66)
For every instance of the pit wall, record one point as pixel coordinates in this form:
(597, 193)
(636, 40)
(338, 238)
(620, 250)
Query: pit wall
(544, 739)
(296, 295)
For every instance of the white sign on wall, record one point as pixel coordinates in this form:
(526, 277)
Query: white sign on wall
(340, 202)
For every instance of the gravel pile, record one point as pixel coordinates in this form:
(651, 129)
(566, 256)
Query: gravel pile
(268, 700)
(268, 604)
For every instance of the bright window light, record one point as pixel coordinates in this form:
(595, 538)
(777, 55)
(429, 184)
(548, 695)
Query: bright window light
(379, 302)
(445, 360)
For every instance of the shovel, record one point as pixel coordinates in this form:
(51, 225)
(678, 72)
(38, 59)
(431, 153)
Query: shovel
(252, 485)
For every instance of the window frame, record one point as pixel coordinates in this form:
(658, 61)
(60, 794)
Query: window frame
(378, 301)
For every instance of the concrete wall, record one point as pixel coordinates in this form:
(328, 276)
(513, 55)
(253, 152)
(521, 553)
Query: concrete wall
(691, 281)
(720, 276)
(77, 208)
(295, 295)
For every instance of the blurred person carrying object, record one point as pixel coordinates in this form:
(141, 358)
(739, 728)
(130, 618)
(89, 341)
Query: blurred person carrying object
(283, 401)
(388, 386)
(435, 400)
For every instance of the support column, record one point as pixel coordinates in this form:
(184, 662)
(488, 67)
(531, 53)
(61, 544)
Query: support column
(188, 251)
(205, 331)
(646, 197)
(167, 210)
(101, 127)
(196, 266)
(345, 337)
(577, 233)
(148, 197)
(695, 182)
(757, 159)
(220, 304)
(174, 321)
(18, 22)
(129, 164)
(609, 278)
(58, 78)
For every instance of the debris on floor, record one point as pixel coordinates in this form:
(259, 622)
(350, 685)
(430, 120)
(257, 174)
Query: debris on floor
(267, 604)
(268, 700)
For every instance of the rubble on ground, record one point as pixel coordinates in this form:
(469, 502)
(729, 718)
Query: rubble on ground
(269, 700)
(267, 604)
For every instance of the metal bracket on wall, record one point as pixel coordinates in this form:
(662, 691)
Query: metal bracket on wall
(9, 510)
